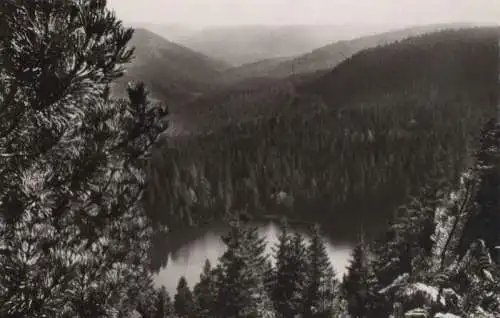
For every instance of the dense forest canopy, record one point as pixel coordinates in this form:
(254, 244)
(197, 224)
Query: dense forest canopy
(361, 148)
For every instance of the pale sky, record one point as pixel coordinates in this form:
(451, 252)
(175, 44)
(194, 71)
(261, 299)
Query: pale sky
(200, 13)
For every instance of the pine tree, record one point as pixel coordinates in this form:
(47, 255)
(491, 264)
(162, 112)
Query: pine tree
(241, 285)
(290, 273)
(281, 290)
(164, 307)
(355, 285)
(321, 285)
(150, 301)
(299, 265)
(183, 301)
(205, 292)
(72, 162)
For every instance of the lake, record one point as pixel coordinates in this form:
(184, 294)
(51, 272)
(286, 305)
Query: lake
(195, 246)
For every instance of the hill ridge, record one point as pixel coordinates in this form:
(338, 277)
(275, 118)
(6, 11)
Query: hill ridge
(172, 72)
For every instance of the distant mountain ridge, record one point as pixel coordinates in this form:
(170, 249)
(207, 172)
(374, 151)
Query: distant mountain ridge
(185, 79)
(329, 56)
(170, 31)
(435, 63)
(172, 72)
(240, 45)
(427, 64)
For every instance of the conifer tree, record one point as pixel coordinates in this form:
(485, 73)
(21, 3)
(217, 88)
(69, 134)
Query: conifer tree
(321, 284)
(355, 286)
(241, 285)
(290, 273)
(183, 300)
(72, 161)
(281, 288)
(164, 307)
(205, 292)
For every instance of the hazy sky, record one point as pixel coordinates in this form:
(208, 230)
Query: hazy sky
(198, 13)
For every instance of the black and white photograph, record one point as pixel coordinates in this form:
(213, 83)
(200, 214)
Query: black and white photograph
(249, 158)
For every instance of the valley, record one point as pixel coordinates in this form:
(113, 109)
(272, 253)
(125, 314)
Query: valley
(362, 137)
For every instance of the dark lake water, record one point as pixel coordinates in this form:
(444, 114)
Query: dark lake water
(196, 246)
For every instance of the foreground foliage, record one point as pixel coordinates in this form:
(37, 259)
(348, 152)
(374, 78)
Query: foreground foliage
(74, 236)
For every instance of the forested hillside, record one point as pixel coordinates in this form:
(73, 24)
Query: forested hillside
(172, 72)
(438, 258)
(361, 167)
(326, 57)
(249, 100)
(419, 68)
(436, 68)
(252, 70)
(329, 56)
(342, 152)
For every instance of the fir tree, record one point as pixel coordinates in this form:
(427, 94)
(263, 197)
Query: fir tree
(241, 287)
(290, 273)
(205, 292)
(164, 306)
(321, 285)
(355, 286)
(183, 300)
(281, 282)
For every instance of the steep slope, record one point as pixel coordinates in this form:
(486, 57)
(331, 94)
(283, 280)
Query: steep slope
(172, 72)
(240, 45)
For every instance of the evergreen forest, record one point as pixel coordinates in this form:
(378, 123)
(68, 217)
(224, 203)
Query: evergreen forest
(406, 131)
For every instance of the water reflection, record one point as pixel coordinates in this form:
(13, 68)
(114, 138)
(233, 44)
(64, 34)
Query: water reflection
(187, 259)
